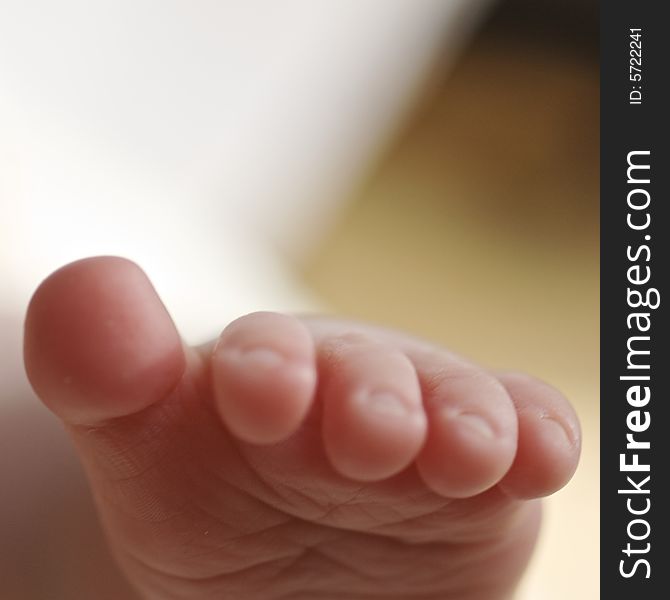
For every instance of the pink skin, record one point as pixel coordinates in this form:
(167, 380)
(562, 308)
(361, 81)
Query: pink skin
(293, 458)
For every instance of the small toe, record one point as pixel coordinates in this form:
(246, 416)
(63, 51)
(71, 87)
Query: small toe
(264, 376)
(472, 429)
(549, 438)
(373, 421)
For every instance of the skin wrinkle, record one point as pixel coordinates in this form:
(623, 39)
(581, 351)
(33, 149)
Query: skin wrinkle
(335, 506)
(284, 575)
(228, 543)
(148, 517)
(253, 497)
(111, 487)
(236, 444)
(274, 488)
(302, 575)
(383, 535)
(261, 482)
(342, 566)
(494, 513)
(412, 530)
(150, 427)
(106, 437)
(169, 580)
(403, 590)
(185, 503)
(216, 522)
(134, 494)
(318, 520)
(296, 559)
(413, 572)
(360, 506)
(240, 539)
(445, 503)
(222, 575)
(287, 500)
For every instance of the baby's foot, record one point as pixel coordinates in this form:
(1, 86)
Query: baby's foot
(294, 458)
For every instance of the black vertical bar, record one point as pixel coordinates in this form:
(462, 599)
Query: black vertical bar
(635, 255)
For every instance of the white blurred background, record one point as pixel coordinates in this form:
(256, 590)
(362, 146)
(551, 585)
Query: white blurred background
(198, 137)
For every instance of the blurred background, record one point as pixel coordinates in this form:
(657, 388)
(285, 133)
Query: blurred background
(431, 166)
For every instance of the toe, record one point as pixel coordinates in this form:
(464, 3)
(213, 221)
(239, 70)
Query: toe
(472, 429)
(99, 343)
(549, 438)
(373, 421)
(264, 376)
(103, 354)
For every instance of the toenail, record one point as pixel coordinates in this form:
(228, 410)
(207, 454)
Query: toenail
(473, 422)
(263, 358)
(556, 430)
(255, 361)
(386, 403)
(256, 357)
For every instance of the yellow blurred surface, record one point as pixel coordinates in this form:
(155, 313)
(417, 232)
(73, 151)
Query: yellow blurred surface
(480, 230)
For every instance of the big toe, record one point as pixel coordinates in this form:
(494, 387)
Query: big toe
(103, 354)
(99, 343)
